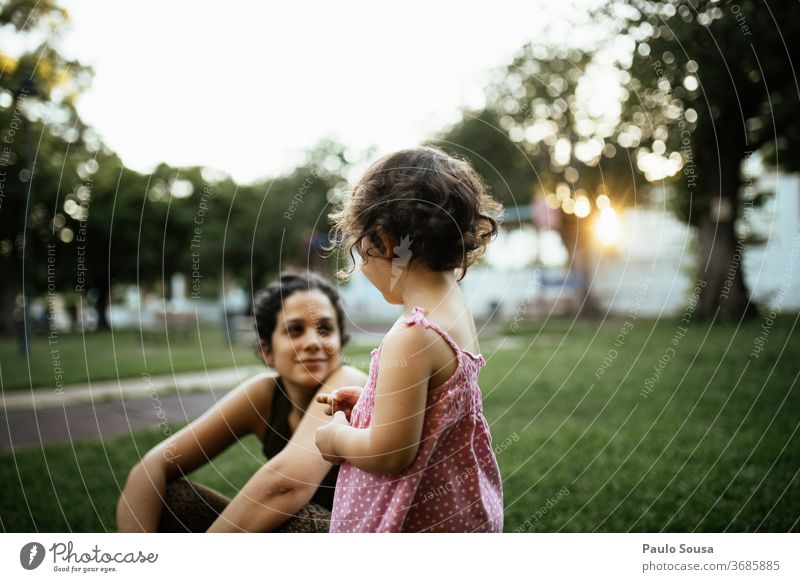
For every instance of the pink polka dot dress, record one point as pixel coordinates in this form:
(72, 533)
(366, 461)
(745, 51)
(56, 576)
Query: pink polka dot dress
(453, 484)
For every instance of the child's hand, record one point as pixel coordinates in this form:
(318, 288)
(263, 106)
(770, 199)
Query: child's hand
(326, 437)
(343, 399)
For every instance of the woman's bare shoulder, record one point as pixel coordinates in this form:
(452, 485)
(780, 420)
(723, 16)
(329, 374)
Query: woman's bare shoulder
(344, 375)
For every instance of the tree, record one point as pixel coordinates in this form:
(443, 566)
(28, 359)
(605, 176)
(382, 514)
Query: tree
(540, 134)
(250, 232)
(286, 218)
(710, 84)
(130, 228)
(38, 124)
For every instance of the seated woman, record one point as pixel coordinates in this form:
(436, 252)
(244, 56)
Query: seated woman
(300, 327)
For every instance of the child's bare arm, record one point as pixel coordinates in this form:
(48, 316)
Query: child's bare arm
(392, 441)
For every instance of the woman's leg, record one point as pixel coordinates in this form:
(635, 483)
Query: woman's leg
(190, 507)
(312, 518)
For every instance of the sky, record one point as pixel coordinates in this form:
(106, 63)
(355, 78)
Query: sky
(246, 88)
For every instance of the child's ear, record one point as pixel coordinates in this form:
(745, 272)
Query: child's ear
(389, 242)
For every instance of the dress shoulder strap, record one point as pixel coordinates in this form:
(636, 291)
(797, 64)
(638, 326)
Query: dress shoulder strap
(418, 317)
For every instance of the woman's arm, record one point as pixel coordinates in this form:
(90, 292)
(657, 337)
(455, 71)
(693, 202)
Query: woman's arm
(391, 442)
(288, 481)
(236, 415)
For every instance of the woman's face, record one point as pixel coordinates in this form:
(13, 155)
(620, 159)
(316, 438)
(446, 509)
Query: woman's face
(306, 343)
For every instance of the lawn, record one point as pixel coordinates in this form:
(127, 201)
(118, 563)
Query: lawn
(682, 431)
(105, 355)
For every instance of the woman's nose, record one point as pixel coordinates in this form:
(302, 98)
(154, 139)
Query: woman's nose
(314, 340)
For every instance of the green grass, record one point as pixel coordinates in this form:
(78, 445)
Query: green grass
(714, 446)
(105, 356)
(75, 486)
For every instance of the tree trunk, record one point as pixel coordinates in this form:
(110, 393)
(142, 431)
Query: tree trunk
(103, 296)
(723, 292)
(721, 265)
(8, 296)
(588, 308)
(575, 237)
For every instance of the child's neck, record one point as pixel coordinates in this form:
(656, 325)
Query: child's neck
(421, 286)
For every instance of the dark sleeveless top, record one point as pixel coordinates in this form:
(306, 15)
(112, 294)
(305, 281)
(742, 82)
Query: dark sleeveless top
(278, 434)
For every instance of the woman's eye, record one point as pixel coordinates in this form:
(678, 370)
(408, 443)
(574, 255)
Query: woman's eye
(295, 330)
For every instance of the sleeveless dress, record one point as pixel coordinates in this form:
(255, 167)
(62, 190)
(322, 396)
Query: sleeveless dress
(453, 484)
(278, 435)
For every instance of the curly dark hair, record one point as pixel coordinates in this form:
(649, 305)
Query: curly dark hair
(438, 202)
(268, 304)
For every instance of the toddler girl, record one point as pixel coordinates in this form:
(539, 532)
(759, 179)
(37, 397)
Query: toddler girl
(417, 453)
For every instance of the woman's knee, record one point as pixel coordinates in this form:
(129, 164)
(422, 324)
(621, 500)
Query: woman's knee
(190, 507)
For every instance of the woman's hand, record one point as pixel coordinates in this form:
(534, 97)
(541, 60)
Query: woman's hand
(343, 399)
(326, 437)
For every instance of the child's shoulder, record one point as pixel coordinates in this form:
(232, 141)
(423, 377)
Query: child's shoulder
(406, 335)
(417, 337)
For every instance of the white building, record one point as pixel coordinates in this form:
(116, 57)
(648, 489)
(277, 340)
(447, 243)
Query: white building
(653, 243)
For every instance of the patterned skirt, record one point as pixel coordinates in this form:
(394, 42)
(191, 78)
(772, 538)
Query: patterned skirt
(192, 508)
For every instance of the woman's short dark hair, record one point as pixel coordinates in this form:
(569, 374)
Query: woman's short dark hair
(268, 304)
(435, 206)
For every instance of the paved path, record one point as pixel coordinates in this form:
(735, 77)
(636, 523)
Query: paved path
(102, 410)
(108, 409)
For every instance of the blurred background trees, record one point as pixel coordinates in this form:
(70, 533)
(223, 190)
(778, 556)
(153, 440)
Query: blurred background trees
(541, 136)
(713, 82)
(675, 99)
(75, 220)
(43, 143)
